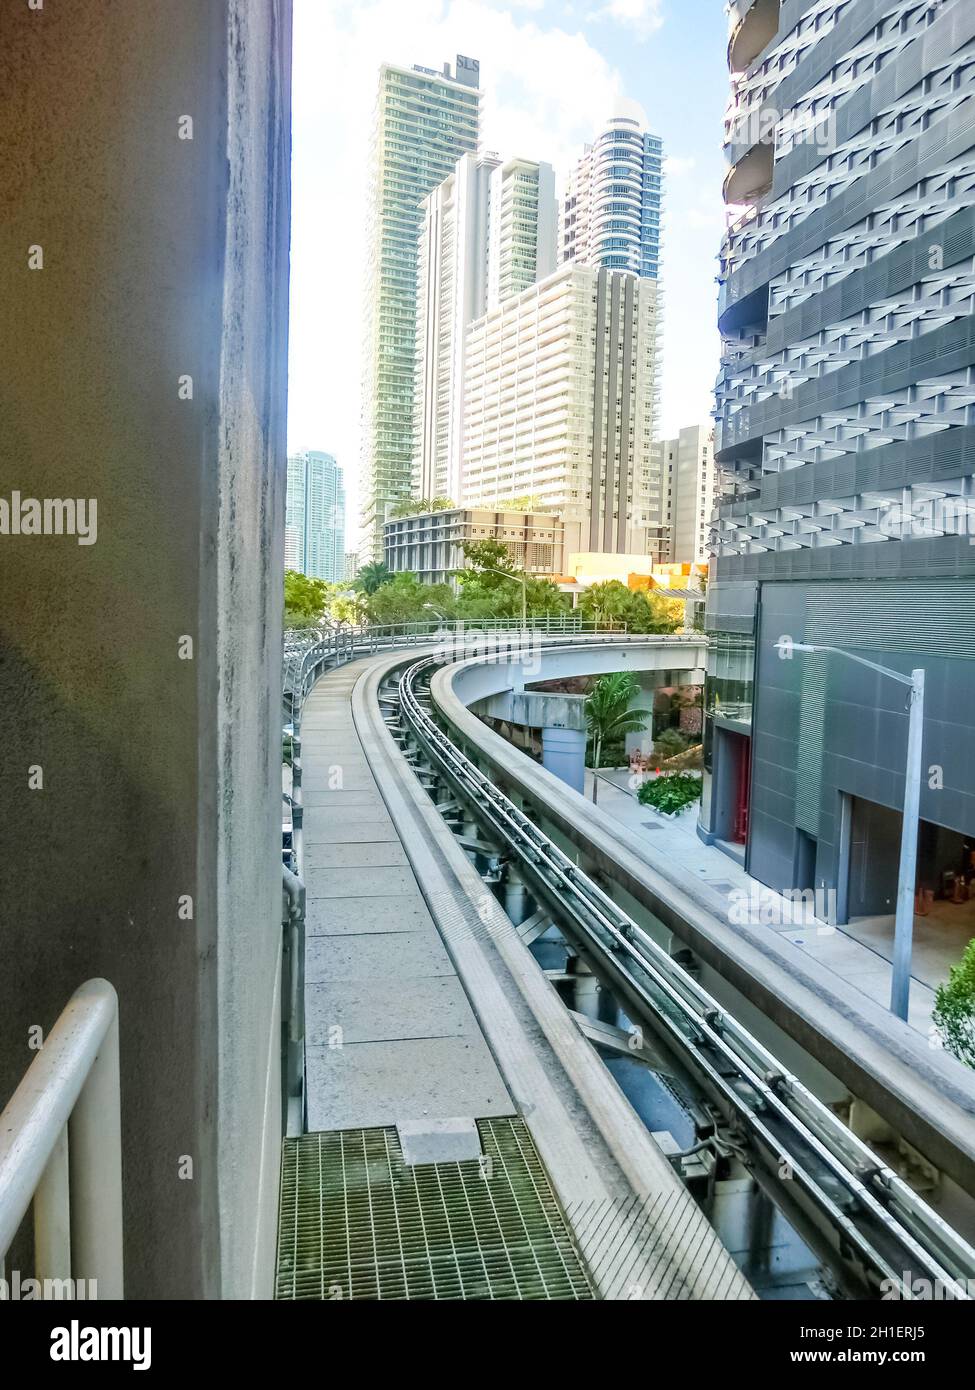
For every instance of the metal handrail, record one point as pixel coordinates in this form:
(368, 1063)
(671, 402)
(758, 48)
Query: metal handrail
(61, 1148)
(293, 1002)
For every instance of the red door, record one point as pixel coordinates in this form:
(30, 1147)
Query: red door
(744, 786)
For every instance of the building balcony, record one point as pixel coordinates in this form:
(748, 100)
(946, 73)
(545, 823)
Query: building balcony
(755, 24)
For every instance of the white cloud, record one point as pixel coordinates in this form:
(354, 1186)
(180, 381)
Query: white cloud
(643, 17)
(675, 164)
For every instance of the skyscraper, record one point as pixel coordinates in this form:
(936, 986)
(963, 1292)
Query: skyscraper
(488, 231)
(314, 527)
(559, 405)
(690, 478)
(452, 274)
(521, 228)
(424, 122)
(610, 213)
(844, 407)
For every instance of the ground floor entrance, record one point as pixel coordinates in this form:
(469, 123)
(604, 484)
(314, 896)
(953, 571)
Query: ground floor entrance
(944, 920)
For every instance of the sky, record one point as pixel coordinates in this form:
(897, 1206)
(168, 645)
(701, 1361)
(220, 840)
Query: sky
(552, 71)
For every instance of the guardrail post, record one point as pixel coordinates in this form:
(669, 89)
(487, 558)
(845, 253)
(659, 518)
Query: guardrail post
(95, 1164)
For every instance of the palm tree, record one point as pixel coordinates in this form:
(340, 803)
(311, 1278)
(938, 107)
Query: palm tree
(373, 576)
(608, 714)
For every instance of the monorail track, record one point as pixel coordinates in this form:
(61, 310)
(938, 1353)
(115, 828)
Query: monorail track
(876, 1235)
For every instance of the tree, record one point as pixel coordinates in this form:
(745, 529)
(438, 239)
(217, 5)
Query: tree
(641, 612)
(304, 599)
(608, 714)
(954, 1009)
(488, 592)
(525, 503)
(373, 576)
(403, 599)
(418, 505)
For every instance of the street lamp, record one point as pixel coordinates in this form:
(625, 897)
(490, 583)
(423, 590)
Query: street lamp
(506, 574)
(900, 984)
(433, 609)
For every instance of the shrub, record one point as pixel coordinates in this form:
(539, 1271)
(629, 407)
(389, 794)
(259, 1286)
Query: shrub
(670, 792)
(954, 1009)
(669, 743)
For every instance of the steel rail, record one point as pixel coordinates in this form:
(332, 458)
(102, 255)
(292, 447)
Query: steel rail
(851, 1183)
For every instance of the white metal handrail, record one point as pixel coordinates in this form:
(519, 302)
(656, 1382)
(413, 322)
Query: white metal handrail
(61, 1147)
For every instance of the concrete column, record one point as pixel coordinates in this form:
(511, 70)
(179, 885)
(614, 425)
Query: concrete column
(516, 898)
(145, 158)
(564, 754)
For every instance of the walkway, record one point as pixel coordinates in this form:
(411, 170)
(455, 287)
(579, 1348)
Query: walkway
(391, 1036)
(448, 1155)
(857, 955)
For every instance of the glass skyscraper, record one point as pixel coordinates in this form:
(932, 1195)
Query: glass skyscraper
(314, 528)
(425, 121)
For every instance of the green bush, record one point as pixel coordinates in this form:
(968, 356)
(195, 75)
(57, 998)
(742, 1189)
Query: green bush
(669, 743)
(954, 1009)
(670, 792)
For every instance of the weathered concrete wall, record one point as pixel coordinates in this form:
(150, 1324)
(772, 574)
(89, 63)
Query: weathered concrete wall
(163, 258)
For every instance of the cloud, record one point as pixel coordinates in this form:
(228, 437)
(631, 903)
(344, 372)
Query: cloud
(643, 17)
(675, 164)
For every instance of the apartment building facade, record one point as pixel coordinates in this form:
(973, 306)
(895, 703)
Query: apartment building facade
(844, 414)
(689, 480)
(560, 399)
(424, 122)
(487, 231)
(610, 211)
(431, 544)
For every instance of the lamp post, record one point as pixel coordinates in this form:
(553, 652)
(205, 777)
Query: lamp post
(506, 574)
(434, 609)
(900, 983)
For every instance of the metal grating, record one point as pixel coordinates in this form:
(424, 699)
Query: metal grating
(356, 1223)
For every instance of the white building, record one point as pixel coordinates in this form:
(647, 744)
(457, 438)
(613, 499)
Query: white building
(314, 525)
(424, 122)
(487, 231)
(521, 228)
(610, 212)
(690, 487)
(559, 405)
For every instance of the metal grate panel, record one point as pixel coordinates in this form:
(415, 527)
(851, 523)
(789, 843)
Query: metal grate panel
(356, 1223)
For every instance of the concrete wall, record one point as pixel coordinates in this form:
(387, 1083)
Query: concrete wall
(162, 257)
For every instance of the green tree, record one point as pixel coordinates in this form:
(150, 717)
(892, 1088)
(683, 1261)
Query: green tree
(304, 599)
(609, 717)
(373, 576)
(486, 591)
(403, 599)
(642, 612)
(418, 505)
(954, 1009)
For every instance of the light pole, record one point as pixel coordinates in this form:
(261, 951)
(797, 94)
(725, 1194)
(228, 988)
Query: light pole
(506, 574)
(434, 609)
(900, 983)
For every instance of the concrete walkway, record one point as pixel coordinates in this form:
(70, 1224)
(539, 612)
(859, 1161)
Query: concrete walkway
(857, 955)
(391, 1036)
